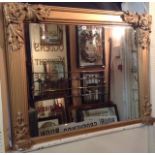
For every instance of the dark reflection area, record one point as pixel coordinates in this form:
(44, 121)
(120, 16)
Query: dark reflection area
(73, 76)
(116, 6)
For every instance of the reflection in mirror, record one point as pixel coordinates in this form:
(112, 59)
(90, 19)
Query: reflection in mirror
(124, 72)
(81, 76)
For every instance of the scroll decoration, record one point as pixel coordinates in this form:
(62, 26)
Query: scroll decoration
(147, 107)
(147, 119)
(22, 138)
(142, 23)
(15, 14)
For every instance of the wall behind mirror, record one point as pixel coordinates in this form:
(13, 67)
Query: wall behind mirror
(80, 76)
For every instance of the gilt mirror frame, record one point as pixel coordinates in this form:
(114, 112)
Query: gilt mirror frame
(15, 14)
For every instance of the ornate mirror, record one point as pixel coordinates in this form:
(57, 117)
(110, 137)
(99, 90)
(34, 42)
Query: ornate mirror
(75, 71)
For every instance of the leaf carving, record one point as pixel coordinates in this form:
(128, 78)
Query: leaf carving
(15, 15)
(142, 23)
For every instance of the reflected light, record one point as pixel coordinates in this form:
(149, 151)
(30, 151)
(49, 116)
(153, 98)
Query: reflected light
(118, 32)
(43, 37)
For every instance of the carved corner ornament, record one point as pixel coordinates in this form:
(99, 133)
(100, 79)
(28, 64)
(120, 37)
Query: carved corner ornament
(147, 119)
(15, 14)
(21, 135)
(142, 23)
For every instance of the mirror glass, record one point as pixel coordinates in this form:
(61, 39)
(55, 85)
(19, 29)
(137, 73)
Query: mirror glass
(80, 76)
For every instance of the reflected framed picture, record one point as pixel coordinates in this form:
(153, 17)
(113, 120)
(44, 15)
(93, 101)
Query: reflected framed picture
(48, 127)
(51, 34)
(90, 45)
(103, 113)
(92, 84)
(49, 108)
(53, 77)
(55, 70)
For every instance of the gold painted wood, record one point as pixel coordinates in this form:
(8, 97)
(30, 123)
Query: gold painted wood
(22, 138)
(4, 86)
(17, 13)
(85, 131)
(142, 25)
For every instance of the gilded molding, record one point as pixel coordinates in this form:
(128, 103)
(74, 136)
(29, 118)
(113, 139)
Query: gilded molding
(142, 23)
(147, 107)
(15, 15)
(21, 135)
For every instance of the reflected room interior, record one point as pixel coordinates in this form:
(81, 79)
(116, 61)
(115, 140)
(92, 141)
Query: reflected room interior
(80, 76)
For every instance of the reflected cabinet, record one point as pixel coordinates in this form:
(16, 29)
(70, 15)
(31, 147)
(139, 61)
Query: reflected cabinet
(74, 71)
